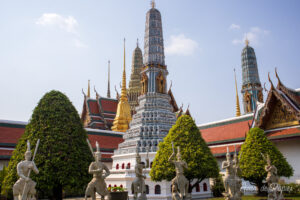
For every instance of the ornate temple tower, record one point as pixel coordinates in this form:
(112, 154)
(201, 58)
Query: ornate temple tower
(123, 116)
(154, 116)
(135, 86)
(251, 88)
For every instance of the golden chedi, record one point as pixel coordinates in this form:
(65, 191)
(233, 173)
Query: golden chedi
(123, 116)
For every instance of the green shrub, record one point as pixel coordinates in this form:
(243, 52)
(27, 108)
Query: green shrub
(291, 189)
(201, 163)
(218, 186)
(63, 156)
(252, 163)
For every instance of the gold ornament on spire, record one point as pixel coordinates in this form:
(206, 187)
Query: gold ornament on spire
(123, 116)
(108, 82)
(153, 4)
(238, 111)
(89, 90)
(247, 42)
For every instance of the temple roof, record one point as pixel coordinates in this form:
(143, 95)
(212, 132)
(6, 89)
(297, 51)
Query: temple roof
(226, 131)
(99, 113)
(281, 109)
(11, 131)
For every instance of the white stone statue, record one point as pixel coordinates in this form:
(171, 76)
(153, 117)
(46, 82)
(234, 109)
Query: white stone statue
(274, 188)
(138, 184)
(24, 188)
(97, 168)
(180, 182)
(232, 181)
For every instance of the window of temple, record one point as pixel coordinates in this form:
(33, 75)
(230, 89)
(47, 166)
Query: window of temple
(123, 165)
(204, 187)
(197, 187)
(117, 166)
(128, 166)
(157, 189)
(109, 185)
(147, 189)
(121, 186)
(115, 185)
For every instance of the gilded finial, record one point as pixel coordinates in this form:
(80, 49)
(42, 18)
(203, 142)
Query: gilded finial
(247, 42)
(123, 90)
(137, 42)
(272, 86)
(279, 82)
(89, 90)
(238, 110)
(153, 4)
(123, 115)
(108, 82)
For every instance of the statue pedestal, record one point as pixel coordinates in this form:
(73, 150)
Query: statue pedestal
(119, 195)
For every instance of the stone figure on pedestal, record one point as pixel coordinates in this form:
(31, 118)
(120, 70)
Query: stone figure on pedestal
(180, 184)
(24, 188)
(232, 181)
(97, 168)
(274, 189)
(138, 184)
(237, 193)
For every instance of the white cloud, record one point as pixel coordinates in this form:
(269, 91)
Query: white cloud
(79, 44)
(234, 27)
(254, 36)
(68, 24)
(181, 45)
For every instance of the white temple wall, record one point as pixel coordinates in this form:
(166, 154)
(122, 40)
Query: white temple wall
(291, 151)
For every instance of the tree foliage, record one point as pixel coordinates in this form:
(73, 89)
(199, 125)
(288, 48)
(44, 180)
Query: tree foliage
(63, 155)
(252, 162)
(201, 163)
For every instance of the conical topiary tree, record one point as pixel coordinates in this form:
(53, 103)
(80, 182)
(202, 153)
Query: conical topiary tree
(252, 162)
(63, 156)
(201, 163)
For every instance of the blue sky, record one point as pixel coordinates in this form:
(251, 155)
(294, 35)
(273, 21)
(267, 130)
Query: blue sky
(54, 44)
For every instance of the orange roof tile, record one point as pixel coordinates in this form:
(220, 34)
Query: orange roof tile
(285, 133)
(109, 105)
(223, 132)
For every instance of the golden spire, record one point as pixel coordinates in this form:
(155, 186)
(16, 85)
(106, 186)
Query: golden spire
(89, 90)
(108, 82)
(123, 91)
(123, 115)
(153, 4)
(238, 111)
(247, 41)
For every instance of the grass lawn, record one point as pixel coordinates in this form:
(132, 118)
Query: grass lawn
(252, 197)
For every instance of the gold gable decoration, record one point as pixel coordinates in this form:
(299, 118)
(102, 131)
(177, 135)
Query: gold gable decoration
(144, 83)
(280, 117)
(160, 83)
